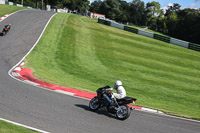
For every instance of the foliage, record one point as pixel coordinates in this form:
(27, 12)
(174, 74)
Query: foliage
(95, 6)
(137, 12)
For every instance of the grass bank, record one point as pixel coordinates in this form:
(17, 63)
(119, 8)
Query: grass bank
(78, 52)
(6, 9)
(11, 128)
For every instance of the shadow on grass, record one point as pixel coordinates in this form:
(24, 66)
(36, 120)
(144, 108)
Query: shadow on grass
(99, 112)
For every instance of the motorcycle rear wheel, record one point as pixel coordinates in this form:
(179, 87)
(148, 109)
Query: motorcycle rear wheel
(3, 33)
(94, 104)
(123, 113)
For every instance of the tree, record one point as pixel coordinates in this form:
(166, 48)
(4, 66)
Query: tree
(95, 6)
(172, 20)
(174, 8)
(188, 25)
(137, 12)
(82, 5)
(154, 8)
(161, 23)
(124, 7)
(152, 11)
(79, 5)
(111, 9)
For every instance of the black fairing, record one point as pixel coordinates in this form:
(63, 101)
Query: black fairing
(126, 100)
(105, 87)
(100, 91)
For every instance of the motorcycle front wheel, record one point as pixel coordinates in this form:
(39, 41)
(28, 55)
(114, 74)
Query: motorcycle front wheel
(94, 104)
(123, 112)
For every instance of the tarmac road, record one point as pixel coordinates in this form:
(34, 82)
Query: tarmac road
(58, 113)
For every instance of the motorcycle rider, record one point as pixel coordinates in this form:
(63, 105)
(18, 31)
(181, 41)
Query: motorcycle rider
(121, 92)
(7, 27)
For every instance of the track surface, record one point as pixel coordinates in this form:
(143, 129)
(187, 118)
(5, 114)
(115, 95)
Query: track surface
(58, 113)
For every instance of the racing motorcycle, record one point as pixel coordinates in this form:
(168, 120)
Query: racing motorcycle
(119, 109)
(5, 31)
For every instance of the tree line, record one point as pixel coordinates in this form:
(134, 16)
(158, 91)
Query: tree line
(179, 23)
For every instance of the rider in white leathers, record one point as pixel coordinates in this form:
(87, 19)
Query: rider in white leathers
(121, 93)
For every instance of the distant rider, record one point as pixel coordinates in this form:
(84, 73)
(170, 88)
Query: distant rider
(7, 27)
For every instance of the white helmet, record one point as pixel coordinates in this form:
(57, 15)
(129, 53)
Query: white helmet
(118, 83)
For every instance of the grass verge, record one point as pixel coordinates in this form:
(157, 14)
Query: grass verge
(78, 52)
(6, 9)
(11, 128)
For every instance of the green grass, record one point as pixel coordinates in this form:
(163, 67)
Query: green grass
(6, 9)
(78, 52)
(11, 128)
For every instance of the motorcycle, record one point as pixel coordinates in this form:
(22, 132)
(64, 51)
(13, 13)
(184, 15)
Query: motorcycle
(119, 109)
(5, 31)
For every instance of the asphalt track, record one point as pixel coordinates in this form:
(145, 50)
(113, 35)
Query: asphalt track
(58, 113)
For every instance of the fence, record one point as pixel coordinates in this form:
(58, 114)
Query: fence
(194, 46)
(162, 38)
(179, 42)
(145, 33)
(102, 21)
(133, 30)
(171, 40)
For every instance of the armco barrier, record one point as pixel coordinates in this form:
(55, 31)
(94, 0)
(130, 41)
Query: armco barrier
(161, 38)
(145, 33)
(194, 46)
(19, 5)
(11, 3)
(102, 21)
(130, 29)
(179, 42)
(116, 25)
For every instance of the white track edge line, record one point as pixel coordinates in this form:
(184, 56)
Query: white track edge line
(28, 127)
(64, 92)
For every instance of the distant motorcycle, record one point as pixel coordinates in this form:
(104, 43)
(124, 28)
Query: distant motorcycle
(120, 108)
(6, 29)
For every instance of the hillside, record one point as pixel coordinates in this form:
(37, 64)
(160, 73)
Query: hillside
(6, 9)
(77, 52)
